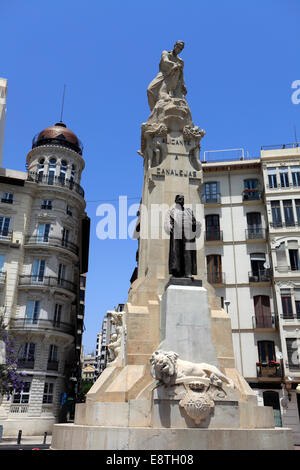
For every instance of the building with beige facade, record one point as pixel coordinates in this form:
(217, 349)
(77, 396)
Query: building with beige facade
(252, 242)
(44, 244)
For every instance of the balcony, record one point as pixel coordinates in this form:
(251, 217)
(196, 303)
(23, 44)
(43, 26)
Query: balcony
(255, 233)
(252, 195)
(265, 321)
(5, 235)
(46, 281)
(285, 225)
(214, 198)
(37, 323)
(290, 317)
(269, 369)
(216, 278)
(24, 363)
(55, 181)
(52, 365)
(46, 241)
(213, 235)
(261, 275)
(2, 278)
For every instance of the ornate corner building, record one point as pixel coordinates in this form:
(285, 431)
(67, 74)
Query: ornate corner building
(44, 246)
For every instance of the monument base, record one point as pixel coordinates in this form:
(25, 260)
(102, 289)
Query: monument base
(77, 437)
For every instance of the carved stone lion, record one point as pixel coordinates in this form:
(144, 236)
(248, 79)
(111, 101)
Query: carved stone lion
(168, 368)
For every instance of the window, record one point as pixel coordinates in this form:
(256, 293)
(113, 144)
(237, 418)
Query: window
(262, 310)
(214, 268)
(211, 193)
(254, 225)
(40, 170)
(284, 177)
(4, 226)
(2, 259)
(52, 353)
(51, 170)
(69, 210)
(48, 392)
(38, 270)
(32, 312)
(297, 302)
(297, 204)
(57, 315)
(251, 189)
(26, 354)
(72, 176)
(43, 233)
(266, 351)
(65, 237)
(61, 272)
(47, 205)
(63, 171)
(212, 225)
(292, 353)
(272, 178)
(286, 301)
(296, 175)
(23, 395)
(288, 213)
(7, 198)
(294, 255)
(258, 270)
(276, 214)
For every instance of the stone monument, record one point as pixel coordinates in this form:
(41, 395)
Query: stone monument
(172, 383)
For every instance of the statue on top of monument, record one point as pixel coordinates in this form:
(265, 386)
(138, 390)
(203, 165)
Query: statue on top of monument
(183, 229)
(169, 82)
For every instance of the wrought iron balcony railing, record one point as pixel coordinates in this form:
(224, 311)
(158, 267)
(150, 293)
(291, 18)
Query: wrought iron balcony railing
(47, 281)
(269, 369)
(213, 235)
(6, 235)
(214, 198)
(216, 277)
(279, 224)
(255, 233)
(52, 365)
(43, 240)
(265, 321)
(55, 181)
(26, 363)
(261, 275)
(252, 195)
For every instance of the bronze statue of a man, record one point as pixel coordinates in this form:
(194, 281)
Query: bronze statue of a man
(169, 82)
(183, 228)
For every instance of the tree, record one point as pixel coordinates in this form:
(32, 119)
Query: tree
(10, 379)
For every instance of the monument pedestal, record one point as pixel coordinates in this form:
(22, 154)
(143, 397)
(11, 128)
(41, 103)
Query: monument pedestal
(144, 414)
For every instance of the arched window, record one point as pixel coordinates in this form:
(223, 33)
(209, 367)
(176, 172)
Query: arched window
(72, 176)
(63, 171)
(51, 170)
(40, 169)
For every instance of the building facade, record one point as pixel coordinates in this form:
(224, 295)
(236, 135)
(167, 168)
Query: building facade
(44, 243)
(252, 242)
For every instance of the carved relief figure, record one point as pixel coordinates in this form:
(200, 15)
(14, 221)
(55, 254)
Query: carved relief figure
(115, 344)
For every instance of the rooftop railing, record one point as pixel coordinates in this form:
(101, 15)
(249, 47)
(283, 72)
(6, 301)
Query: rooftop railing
(280, 146)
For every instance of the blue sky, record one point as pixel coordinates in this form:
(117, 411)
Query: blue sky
(241, 58)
